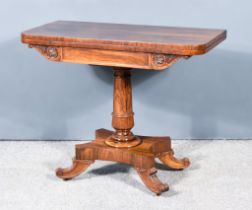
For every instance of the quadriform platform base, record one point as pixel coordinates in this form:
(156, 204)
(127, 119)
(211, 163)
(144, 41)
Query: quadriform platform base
(141, 157)
(122, 47)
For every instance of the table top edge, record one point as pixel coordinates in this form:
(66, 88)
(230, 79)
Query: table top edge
(125, 45)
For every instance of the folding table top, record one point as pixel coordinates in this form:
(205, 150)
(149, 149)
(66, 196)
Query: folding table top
(124, 37)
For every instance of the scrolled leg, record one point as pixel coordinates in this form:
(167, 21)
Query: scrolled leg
(169, 160)
(77, 168)
(151, 180)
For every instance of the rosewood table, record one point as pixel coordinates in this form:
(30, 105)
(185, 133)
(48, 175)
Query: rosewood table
(123, 47)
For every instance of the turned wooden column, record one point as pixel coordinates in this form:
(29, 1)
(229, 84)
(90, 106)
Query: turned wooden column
(123, 115)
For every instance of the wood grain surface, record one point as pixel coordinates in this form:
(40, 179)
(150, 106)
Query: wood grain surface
(125, 37)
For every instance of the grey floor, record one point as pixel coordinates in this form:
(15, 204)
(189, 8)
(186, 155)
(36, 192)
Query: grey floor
(220, 177)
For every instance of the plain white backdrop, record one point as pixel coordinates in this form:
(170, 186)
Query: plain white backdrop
(206, 96)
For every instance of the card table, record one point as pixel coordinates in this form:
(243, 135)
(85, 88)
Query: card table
(125, 48)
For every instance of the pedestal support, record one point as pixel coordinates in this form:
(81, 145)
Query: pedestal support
(123, 115)
(122, 145)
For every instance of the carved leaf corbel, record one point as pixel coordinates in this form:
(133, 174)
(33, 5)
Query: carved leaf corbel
(51, 53)
(163, 61)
